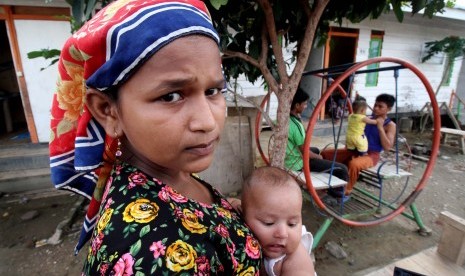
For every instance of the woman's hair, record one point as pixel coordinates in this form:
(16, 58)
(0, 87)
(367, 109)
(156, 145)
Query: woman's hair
(359, 105)
(388, 99)
(299, 97)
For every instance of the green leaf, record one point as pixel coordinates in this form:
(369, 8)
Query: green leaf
(144, 231)
(77, 7)
(418, 5)
(397, 8)
(44, 53)
(139, 261)
(154, 267)
(139, 273)
(135, 248)
(218, 3)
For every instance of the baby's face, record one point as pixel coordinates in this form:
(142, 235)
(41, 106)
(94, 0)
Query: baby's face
(275, 217)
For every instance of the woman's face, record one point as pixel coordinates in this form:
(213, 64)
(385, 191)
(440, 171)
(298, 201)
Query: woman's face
(172, 111)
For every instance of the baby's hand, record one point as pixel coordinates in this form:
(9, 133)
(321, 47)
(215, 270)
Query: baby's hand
(236, 204)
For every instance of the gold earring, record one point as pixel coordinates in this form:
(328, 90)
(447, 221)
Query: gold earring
(118, 152)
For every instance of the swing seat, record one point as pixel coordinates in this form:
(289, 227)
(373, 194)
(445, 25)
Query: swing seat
(387, 171)
(320, 180)
(374, 176)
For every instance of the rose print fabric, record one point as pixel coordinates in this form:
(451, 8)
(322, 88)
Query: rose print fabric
(146, 227)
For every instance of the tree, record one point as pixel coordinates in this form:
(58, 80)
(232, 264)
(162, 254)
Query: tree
(253, 33)
(453, 47)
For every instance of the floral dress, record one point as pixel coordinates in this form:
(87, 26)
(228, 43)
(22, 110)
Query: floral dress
(146, 228)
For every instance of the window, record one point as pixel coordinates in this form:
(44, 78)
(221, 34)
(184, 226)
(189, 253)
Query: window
(437, 58)
(376, 43)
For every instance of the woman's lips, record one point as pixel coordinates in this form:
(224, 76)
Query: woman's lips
(203, 149)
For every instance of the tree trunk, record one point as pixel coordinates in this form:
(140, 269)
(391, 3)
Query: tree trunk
(289, 85)
(278, 152)
(445, 73)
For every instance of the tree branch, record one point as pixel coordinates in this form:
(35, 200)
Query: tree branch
(242, 56)
(272, 83)
(307, 41)
(277, 48)
(306, 7)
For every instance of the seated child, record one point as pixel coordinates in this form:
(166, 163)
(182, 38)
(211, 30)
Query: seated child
(355, 136)
(272, 208)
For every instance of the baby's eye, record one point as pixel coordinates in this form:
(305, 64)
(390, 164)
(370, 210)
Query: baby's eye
(171, 97)
(292, 224)
(267, 223)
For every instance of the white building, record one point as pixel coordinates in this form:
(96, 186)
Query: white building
(387, 37)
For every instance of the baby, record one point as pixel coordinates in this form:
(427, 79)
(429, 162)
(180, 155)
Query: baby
(272, 208)
(355, 136)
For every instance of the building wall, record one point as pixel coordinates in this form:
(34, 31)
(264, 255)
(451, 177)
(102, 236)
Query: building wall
(34, 35)
(405, 41)
(401, 40)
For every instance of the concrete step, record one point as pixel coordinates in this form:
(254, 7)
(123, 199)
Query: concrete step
(24, 167)
(23, 157)
(25, 180)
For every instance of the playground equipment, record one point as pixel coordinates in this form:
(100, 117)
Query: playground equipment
(368, 206)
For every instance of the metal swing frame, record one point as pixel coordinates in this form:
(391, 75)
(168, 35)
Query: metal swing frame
(345, 71)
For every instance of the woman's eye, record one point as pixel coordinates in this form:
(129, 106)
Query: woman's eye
(171, 97)
(213, 91)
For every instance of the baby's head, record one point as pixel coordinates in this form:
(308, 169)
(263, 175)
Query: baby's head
(272, 208)
(359, 106)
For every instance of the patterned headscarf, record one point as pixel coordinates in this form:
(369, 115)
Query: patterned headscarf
(104, 54)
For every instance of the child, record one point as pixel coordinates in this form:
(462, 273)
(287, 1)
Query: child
(272, 206)
(355, 136)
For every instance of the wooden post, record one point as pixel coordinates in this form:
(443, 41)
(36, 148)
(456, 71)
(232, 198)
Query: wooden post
(452, 242)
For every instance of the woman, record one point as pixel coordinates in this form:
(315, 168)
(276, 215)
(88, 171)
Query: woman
(154, 81)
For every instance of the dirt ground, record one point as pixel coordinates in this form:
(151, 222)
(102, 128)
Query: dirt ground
(366, 247)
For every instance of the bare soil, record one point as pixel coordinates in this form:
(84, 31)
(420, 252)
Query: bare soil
(366, 247)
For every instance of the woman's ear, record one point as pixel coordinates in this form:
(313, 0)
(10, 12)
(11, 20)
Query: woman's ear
(104, 110)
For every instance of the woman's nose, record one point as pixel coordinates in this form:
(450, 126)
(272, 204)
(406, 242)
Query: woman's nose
(202, 115)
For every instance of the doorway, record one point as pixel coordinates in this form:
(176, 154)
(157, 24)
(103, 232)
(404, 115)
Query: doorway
(340, 49)
(13, 124)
